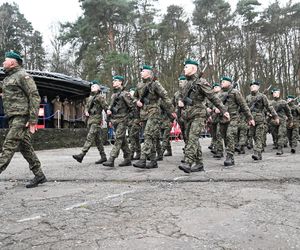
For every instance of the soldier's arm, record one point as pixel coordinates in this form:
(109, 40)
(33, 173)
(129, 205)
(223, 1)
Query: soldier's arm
(288, 112)
(31, 91)
(163, 94)
(269, 107)
(244, 107)
(129, 101)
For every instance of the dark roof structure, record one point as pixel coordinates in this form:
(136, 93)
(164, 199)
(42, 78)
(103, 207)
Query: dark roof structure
(53, 84)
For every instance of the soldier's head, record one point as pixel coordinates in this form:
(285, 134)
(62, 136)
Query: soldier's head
(12, 60)
(276, 92)
(146, 72)
(216, 87)
(290, 98)
(226, 82)
(190, 67)
(95, 86)
(182, 81)
(254, 86)
(118, 82)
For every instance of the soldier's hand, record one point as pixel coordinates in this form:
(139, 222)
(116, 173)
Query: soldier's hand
(180, 104)
(174, 115)
(290, 124)
(32, 127)
(227, 115)
(276, 120)
(108, 112)
(86, 114)
(110, 124)
(139, 104)
(208, 110)
(251, 123)
(217, 111)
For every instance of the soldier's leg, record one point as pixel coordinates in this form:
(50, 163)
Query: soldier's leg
(126, 150)
(243, 137)
(295, 134)
(166, 145)
(281, 137)
(12, 140)
(213, 133)
(258, 134)
(230, 142)
(99, 144)
(218, 143)
(289, 132)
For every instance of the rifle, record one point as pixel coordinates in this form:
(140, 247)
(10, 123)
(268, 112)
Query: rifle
(113, 107)
(258, 99)
(225, 97)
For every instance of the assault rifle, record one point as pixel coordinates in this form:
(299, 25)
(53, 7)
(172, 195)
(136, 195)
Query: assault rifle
(253, 105)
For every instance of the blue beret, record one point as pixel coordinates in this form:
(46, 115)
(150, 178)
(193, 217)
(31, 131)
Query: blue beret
(181, 78)
(95, 82)
(118, 77)
(226, 78)
(190, 61)
(14, 55)
(290, 97)
(255, 83)
(275, 90)
(147, 67)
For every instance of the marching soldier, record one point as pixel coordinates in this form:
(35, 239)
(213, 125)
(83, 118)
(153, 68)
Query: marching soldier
(234, 101)
(259, 103)
(192, 103)
(148, 95)
(93, 111)
(293, 132)
(21, 103)
(285, 120)
(120, 109)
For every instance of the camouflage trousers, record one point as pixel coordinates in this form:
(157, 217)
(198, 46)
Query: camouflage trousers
(242, 133)
(166, 144)
(134, 138)
(258, 134)
(279, 133)
(229, 134)
(151, 138)
(121, 142)
(19, 136)
(292, 134)
(94, 135)
(217, 141)
(192, 150)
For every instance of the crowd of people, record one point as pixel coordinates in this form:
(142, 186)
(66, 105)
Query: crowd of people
(235, 121)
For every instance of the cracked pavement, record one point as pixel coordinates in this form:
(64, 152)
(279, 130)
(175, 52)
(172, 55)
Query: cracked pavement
(88, 206)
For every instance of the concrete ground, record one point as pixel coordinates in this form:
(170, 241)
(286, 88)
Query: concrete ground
(255, 205)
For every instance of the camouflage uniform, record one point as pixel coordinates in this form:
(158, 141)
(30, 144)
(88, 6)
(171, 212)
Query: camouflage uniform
(21, 103)
(242, 134)
(134, 129)
(180, 120)
(94, 106)
(293, 132)
(122, 107)
(279, 131)
(194, 115)
(259, 103)
(150, 115)
(235, 102)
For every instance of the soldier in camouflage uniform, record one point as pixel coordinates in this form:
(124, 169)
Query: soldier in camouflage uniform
(21, 104)
(192, 103)
(234, 101)
(148, 95)
(293, 132)
(121, 109)
(217, 142)
(258, 104)
(93, 111)
(285, 120)
(134, 129)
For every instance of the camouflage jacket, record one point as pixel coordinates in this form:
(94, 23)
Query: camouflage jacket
(121, 106)
(282, 109)
(94, 106)
(235, 103)
(198, 89)
(295, 110)
(150, 92)
(259, 105)
(20, 95)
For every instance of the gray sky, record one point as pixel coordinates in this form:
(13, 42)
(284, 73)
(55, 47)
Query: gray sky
(45, 14)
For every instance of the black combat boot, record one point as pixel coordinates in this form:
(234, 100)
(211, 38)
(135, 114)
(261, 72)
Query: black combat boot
(257, 156)
(197, 168)
(152, 164)
(125, 163)
(293, 151)
(110, 162)
(137, 156)
(102, 159)
(160, 157)
(168, 153)
(242, 150)
(279, 151)
(218, 155)
(79, 157)
(140, 163)
(229, 160)
(38, 179)
(185, 167)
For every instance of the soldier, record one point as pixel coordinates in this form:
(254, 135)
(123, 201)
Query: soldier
(93, 111)
(148, 95)
(134, 129)
(119, 111)
(234, 101)
(192, 103)
(259, 103)
(285, 119)
(293, 132)
(21, 102)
